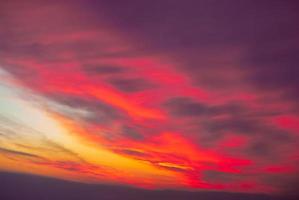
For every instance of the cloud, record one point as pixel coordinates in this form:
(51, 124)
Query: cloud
(183, 107)
(91, 109)
(131, 85)
(103, 69)
(29, 142)
(222, 177)
(171, 84)
(65, 190)
(13, 153)
(131, 132)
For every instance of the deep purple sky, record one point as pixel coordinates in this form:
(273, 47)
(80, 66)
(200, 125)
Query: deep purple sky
(202, 93)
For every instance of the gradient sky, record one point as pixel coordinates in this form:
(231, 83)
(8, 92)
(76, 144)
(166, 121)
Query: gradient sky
(196, 95)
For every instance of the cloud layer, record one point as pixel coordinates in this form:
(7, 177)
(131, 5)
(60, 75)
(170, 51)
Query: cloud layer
(205, 90)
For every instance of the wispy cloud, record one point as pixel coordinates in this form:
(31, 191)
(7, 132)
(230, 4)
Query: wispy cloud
(204, 93)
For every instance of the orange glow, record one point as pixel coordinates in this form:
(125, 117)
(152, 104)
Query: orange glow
(95, 94)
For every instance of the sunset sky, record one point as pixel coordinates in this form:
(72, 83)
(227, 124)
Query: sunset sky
(173, 94)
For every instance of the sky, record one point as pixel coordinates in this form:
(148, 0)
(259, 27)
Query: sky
(181, 95)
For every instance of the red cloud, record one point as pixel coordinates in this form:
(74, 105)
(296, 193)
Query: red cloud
(185, 112)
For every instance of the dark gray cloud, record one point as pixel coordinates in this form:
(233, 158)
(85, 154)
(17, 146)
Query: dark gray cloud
(133, 153)
(187, 107)
(60, 189)
(13, 153)
(222, 177)
(103, 69)
(235, 124)
(98, 111)
(131, 132)
(130, 85)
(184, 107)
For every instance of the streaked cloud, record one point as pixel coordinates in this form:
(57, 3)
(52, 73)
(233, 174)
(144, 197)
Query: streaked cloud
(189, 95)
